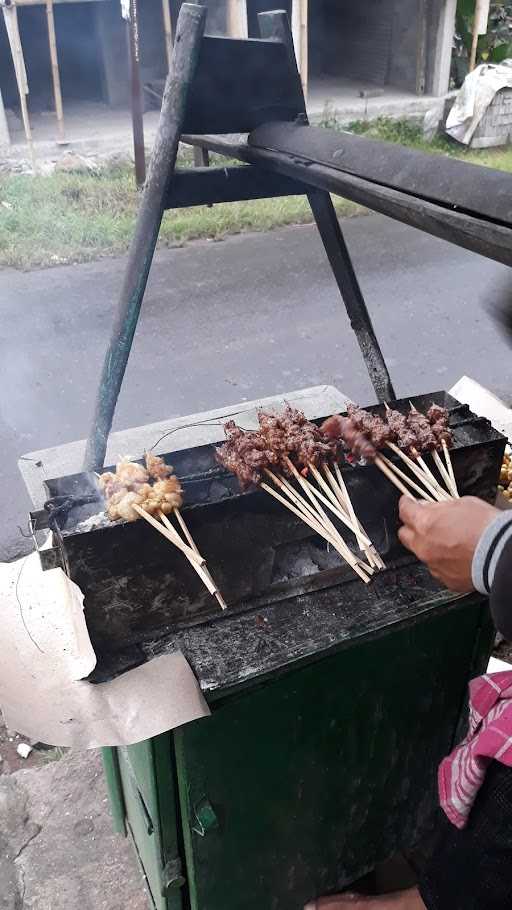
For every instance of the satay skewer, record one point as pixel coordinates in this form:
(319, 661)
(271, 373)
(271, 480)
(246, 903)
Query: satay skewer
(350, 520)
(339, 483)
(449, 466)
(346, 505)
(314, 495)
(203, 572)
(171, 535)
(443, 472)
(408, 480)
(316, 526)
(438, 494)
(393, 477)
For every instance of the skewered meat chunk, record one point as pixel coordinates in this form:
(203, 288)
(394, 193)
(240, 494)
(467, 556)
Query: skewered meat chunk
(401, 433)
(291, 435)
(371, 425)
(130, 487)
(344, 429)
(420, 426)
(245, 454)
(437, 414)
(156, 466)
(439, 419)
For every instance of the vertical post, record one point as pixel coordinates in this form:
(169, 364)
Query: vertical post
(57, 94)
(185, 57)
(237, 19)
(444, 14)
(480, 24)
(301, 38)
(13, 34)
(421, 49)
(136, 95)
(166, 13)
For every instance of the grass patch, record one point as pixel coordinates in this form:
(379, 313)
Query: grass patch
(64, 218)
(403, 132)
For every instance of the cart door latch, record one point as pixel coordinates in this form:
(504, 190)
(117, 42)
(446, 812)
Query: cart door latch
(172, 875)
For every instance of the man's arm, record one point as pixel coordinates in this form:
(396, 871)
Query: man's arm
(466, 544)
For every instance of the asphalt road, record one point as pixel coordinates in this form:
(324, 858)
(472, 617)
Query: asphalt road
(251, 316)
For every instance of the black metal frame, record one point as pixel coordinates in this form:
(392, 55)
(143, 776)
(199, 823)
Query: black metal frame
(223, 84)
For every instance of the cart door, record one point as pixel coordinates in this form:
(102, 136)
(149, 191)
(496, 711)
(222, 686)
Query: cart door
(301, 785)
(147, 781)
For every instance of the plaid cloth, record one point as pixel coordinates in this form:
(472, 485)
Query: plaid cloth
(490, 737)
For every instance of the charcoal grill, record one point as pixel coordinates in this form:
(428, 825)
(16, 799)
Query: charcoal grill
(332, 702)
(142, 596)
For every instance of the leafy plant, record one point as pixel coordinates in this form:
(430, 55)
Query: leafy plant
(494, 47)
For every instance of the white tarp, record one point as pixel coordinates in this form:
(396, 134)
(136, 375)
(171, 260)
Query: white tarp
(475, 96)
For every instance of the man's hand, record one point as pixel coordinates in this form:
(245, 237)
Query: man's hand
(444, 535)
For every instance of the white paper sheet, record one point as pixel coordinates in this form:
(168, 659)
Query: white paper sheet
(46, 655)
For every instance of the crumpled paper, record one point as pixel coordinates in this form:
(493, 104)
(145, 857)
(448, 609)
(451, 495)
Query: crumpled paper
(47, 655)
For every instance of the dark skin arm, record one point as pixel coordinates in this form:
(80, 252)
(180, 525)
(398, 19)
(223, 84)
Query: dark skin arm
(444, 535)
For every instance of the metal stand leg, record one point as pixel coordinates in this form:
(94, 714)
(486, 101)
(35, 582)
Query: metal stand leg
(189, 33)
(341, 264)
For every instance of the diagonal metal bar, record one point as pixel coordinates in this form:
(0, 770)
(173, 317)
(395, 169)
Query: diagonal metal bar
(346, 279)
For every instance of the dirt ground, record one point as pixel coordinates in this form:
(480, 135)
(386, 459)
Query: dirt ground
(10, 761)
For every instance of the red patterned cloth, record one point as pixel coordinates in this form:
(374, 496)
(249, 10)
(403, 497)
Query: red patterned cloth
(490, 737)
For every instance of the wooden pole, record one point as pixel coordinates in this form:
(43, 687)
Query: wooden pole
(167, 30)
(300, 38)
(480, 24)
(304, 45)
(57, 94)
(13, 34)
(136, 96)
(237, 19)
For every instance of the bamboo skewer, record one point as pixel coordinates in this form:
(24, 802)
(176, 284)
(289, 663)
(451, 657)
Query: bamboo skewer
(393, 478)
(419, 472)
(363, 541)
(321, 518)
(359, 531)
(310, 489)
(316, 526)
(449, 465)
(309, 514)
(204, 573)
(172, 536)
(345, 495)
(428, 473)
(443, 472)
(314, 495)
(403, 476)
